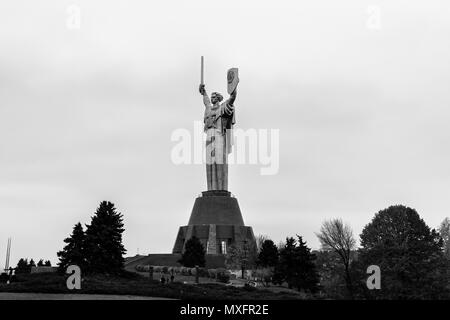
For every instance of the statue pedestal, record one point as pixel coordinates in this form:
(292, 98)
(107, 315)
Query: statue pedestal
(216, 220)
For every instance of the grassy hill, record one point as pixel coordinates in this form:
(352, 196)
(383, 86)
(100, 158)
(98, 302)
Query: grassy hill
(135, 284)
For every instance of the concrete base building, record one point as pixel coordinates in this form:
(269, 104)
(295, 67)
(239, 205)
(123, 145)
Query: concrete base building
(216, 220)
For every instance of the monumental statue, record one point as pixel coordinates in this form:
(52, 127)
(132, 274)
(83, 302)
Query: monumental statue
(216, 218)
(219, 120)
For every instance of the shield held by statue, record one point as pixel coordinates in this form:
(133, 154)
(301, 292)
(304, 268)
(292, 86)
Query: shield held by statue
(232, 79)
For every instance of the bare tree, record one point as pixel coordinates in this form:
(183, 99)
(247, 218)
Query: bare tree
(281, 245)
(338, 237)
(260, 240)
(241, 256)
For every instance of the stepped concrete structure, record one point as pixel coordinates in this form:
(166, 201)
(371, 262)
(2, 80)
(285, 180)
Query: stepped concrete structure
(217, 221)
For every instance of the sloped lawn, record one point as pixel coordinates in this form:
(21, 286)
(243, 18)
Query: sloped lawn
(134, 284)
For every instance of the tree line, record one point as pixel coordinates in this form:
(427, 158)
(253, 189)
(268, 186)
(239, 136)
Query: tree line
(292, 263)
(413, 258)
(24, 266)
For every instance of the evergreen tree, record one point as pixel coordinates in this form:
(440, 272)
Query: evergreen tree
(296, 266)
(194, 253)
(31, 264)
(285, 270)
(73, 252)
(48, 263)
(307, 276)
(40, 263)
(268, 254)
(103, 244)
(22, 266)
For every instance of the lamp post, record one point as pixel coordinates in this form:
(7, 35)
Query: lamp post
(196, 274)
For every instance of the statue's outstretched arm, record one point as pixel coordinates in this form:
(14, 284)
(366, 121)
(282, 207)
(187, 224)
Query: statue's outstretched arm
(228, 107)
(232, 97)
(206, 99)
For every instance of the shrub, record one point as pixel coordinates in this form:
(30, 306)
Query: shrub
(202, 272)
(176, 270)
(248, 287)
(142, 268)
(184, 271)
(212, 273)
(267, 280)
(4, 278)
(223, 277)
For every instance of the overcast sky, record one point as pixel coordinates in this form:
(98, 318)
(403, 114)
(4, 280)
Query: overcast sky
(361, 101)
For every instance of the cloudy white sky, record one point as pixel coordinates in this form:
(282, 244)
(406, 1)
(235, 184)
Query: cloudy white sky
(86, 114)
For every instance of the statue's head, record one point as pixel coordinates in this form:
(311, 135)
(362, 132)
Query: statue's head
(216, 97)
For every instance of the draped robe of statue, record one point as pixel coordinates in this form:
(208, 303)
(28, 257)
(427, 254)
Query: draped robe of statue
(219, 121)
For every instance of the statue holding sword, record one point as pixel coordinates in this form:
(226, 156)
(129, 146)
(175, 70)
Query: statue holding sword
(219, 118)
